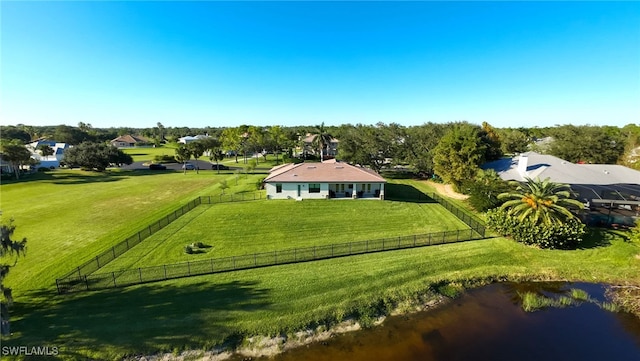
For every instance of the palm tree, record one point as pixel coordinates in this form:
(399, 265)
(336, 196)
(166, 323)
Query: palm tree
(542, 202)
(322, 139)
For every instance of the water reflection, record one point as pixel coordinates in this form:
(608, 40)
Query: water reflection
(489, 324)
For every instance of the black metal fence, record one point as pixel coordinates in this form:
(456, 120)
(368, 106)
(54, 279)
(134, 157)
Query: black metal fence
(109, 255)
(217, 265)
(470, 220)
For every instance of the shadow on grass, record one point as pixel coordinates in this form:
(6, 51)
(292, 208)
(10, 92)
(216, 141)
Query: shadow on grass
(146, 319)
(599, 237)
(83, 177)
(405, 193)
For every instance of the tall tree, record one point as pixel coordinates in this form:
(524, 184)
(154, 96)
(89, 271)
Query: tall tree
(232, 140)
(214, 147)
(459, 154)
(45, 150)
(197, 148)
(514, 141)
(183, 154)
(541, 202)
(8, 248)
(16, 154)
(160, 128)
(95, 156)
(278, 139)
(590, 144)
(11, 132)
(322, 139)
(419, 143)
(492, 141)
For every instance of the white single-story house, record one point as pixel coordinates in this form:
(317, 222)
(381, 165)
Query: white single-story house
(330, 179)
(49, 161)
(188, 139)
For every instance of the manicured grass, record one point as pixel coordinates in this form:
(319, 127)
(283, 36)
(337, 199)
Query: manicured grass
(232, 229)
(146, 154)
(71, 216)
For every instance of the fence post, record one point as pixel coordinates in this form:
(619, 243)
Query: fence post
(165, 271)
(458, 236)
(443, 235)
(113, 274)
(86, 282)
(189, 268)
(98, 261)
(429, 238)
(58, 286)
(471, 234)
(113, 250)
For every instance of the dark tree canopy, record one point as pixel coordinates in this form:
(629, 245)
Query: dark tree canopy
(95, 156)
(8, 248)
(16, 154)
(459, 154)
(589, 144)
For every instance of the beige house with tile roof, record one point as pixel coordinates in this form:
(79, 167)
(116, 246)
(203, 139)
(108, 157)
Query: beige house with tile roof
(330, 179)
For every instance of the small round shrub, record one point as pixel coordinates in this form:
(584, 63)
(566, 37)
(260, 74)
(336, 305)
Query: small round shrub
(188, 249)
(198, 245)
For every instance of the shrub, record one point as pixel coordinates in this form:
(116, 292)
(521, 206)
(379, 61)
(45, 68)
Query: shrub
(563, 236)
(199, 245)
(164, 159)
(43, 169)
(188, 249)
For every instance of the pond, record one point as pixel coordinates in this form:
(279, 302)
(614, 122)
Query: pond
(489, 323)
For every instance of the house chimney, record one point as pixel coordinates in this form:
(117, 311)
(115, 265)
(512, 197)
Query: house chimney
(523, 162)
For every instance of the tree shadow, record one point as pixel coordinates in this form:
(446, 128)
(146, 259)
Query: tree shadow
(405, 193)
(147, 319)
(597, 237)
(84, 177)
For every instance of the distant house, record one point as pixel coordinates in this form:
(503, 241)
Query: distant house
(49, 161)
(615, 187)
(188, 139)
(325, 180)
(308, 147)
(128, 141)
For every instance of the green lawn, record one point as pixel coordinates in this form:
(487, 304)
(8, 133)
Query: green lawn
(233, 229)
(70, 216)
(146, 154)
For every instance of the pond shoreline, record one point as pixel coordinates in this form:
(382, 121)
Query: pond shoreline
(266, 346)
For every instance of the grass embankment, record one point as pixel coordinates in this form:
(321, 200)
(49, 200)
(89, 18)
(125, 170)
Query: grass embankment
(205, 311)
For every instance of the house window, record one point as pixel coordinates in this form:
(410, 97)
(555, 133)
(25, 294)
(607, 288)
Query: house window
(314, 187)
(278, 188)
(368, 187)
(350, 186)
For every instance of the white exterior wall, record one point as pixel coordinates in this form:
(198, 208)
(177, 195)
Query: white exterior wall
(290, 191)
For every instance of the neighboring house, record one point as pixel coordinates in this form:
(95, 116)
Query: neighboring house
(188, 139)
(128, 141)
(50, 161)
(612, 186)
(5, 167)
(329, 179)
(308, 147)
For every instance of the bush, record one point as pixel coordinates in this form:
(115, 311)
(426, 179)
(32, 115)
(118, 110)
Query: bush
(561, 236)
(43, 169)
(164, 159)
(188, 249)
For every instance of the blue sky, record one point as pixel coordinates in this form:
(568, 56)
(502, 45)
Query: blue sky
(217, 64)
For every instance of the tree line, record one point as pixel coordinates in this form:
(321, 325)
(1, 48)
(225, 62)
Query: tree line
(453, 151)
